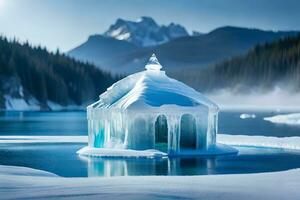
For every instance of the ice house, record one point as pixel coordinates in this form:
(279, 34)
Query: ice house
(149, 110)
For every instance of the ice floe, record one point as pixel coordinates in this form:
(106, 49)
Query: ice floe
(289, 119)
(246, 116)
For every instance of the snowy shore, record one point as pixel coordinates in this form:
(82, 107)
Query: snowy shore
(292, 143)
(26, 183)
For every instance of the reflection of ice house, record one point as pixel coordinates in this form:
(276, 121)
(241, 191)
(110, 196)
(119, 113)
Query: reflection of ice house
(149, 110)
(133, 167)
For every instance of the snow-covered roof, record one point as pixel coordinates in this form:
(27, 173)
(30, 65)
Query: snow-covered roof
(151, 88)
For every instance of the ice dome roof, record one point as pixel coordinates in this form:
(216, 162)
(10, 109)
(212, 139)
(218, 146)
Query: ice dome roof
(151, 88)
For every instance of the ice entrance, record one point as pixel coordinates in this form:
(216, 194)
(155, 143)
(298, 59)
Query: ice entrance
(161, 133)
(141, 139)
(188, 135)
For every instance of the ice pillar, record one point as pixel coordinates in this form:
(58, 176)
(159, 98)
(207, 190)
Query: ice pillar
(173, 134)
(201, 129)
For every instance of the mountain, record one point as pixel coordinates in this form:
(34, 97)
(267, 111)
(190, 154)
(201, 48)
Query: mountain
(271, 66)
(102, 50)
(144, 32)
(183, 52)
(33, 78)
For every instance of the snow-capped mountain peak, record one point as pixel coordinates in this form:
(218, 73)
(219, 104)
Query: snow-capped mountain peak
(147, 21)
(145, 31)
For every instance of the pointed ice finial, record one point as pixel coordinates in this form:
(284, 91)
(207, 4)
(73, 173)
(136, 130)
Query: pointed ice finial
(153, 64)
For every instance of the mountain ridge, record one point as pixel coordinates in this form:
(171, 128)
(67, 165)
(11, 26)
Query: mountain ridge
(200, 51)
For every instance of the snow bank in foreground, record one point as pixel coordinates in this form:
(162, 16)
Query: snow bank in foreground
(260, 141)
(290, 119)
(246, 116)
(236, 187)
(106, 152)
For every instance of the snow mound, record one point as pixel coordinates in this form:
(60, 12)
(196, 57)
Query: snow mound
(290, 119)
(247, 116)
(292, 143)
(24, 171)
(221, 187)
(119, 153)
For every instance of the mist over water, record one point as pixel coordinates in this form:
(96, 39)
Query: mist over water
(276, 99)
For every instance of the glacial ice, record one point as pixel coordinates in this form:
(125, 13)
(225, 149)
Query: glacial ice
(126, 115)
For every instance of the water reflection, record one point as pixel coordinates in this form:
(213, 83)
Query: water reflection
(109, 167)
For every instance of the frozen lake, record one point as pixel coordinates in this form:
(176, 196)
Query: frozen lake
(62, 159)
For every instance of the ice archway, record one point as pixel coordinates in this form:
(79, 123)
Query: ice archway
(188, 134)
(161, 133)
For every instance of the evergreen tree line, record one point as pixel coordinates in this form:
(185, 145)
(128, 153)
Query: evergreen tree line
(262, 68)
(51, 76)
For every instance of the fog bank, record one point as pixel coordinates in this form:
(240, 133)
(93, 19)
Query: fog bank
(273, 100)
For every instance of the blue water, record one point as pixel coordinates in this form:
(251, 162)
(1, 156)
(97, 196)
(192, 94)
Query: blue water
(75, 123)
(62, 159)
(231, 123)
(43, 123)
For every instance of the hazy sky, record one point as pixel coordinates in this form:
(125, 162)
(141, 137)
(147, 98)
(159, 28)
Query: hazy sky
(65, 24)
